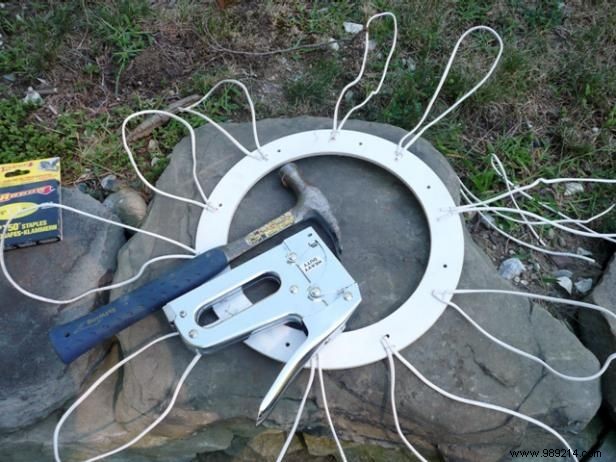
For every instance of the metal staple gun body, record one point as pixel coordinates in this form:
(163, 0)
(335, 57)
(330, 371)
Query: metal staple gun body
(74, 338)
(315, 290)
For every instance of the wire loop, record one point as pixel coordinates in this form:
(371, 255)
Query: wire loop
(414, 132)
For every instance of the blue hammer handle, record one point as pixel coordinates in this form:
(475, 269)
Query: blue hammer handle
(74, 338)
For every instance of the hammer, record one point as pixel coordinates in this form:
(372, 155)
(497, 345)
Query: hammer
(75, 338)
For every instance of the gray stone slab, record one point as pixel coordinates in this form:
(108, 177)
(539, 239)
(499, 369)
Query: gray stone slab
(386, 247)
(34, 381)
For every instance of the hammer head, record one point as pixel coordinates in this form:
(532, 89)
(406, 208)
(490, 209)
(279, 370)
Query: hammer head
(311, 203)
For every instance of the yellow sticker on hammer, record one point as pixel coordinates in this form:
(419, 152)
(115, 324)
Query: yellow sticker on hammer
(270, 229)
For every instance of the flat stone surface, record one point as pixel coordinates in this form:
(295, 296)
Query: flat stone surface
(386, 248)
(34, 381)
(598, 331)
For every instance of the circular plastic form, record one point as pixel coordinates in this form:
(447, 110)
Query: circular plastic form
(418, 313)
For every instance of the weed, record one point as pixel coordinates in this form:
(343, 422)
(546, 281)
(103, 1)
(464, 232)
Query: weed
(314, 88)
(34, 37)
(119, 26)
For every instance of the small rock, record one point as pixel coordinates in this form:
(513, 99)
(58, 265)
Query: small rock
(33, 97)
(333, 44)
(154, 161)
(565, 283)
(153, 146)
(9, 77)
(110, 183)
(511, 268)
(511, 252)
(409, 63)
(551, 234)
(516, 279)
(582, 251)
(524, 282)
(562, 273)
(128, 205)
(595, 130)
(536, 267)
(562, 242)
(371, 45)
(349, 96)
(353, 27)
(573, 188)
(583, 285)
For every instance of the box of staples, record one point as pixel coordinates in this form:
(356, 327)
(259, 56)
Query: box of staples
(24, 186)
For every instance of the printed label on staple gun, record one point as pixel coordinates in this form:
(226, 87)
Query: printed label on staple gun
(312, 263)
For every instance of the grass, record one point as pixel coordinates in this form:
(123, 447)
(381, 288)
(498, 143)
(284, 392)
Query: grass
(550, 108)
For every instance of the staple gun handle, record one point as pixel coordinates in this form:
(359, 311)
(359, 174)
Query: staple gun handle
(74, 338)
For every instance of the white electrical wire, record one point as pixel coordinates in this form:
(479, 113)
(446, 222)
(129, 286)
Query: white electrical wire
(390, 350)
(190, 109)
(300, 411)
(101, 379)
(467, 195)
(508, 346)
(337, 127)
(394, 409)
(226, 133)
(546, 298)
(538, 181)
(542, 221)
(498, 166)
(327, 414)
(415, 131)
(193, 150)
(47, 205)
(544, 205)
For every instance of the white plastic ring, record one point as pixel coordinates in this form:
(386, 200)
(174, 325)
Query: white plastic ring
(418, 313)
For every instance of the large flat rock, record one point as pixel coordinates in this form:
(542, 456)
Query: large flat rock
(34, 381)
(386, 248)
